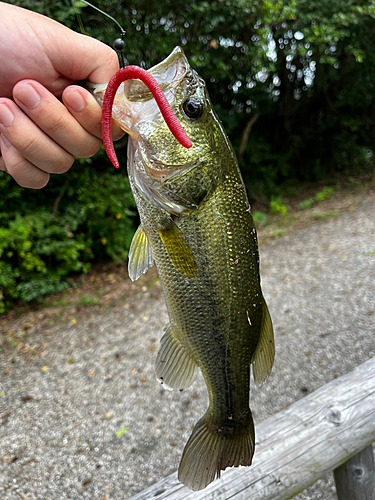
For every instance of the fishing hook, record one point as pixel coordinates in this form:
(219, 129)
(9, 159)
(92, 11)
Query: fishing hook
(134, 73)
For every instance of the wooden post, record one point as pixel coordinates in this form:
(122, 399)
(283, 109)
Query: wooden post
(295, 447)
(355, 479)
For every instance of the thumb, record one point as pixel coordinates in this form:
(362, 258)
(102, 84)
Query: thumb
(80, 57)
(72, 55)
(55, 56)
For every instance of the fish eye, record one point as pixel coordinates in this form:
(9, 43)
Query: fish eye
(193, 107)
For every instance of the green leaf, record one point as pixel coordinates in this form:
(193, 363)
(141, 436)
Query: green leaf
(79, 4)
(122, 431)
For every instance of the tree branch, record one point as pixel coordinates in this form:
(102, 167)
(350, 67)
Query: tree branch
(245, 135)
(62, 192)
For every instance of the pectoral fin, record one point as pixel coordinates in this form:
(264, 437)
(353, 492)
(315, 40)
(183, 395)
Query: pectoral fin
(140, 255)
(178, 250)
(265, 352)
(174, 366)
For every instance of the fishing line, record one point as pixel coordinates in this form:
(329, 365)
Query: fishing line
(131, 73)
(119, 43)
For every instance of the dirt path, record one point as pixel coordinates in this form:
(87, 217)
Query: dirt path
(81, 414)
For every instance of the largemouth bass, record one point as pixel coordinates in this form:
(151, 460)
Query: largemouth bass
(196, 225)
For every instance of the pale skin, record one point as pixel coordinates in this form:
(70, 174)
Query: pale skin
(45, 120)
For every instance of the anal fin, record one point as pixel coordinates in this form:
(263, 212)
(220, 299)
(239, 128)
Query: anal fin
(174, 366)
(265, 352)
(140, 255)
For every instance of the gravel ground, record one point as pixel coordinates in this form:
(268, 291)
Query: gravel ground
(82, 416)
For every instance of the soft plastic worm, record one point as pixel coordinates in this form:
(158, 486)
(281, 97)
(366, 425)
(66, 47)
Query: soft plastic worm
(132, 73)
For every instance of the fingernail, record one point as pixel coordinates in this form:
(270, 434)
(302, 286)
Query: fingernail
(74, 100)
(6, 116)
(28, 96)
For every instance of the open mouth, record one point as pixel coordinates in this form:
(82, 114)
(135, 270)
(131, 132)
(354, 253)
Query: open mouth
(162, 174)
(154, 168)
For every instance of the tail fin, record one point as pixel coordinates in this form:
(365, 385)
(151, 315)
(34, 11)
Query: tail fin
(211, 449)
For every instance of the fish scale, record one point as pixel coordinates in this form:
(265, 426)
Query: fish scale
(197, 227)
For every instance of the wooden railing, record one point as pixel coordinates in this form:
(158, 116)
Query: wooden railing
(330, 430)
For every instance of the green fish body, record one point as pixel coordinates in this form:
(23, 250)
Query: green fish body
(197, 227)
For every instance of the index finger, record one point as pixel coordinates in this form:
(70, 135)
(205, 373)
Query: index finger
(89, 116)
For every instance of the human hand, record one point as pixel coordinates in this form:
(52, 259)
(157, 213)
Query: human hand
(39, 134)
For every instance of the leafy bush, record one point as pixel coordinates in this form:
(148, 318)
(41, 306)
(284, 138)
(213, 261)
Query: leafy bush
(278, 207)
(320, 196)
(292, 82)
(86, 215)
(260, 218)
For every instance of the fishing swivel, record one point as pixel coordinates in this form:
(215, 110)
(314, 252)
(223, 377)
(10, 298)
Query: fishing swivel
(119, 43)
(133, 73)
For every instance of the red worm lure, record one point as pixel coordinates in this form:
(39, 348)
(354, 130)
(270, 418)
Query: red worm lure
(132, 73)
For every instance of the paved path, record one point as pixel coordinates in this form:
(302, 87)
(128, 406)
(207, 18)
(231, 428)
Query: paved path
(58, 427)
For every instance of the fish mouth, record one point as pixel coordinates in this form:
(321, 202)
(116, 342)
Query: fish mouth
(168, 73)
(158, 174)
(159, 171)
(133, 98)
(153, 182)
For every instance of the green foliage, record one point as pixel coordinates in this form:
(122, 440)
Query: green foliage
(303, 205)
(304, 69)
(276, 233)
(320, 196)
(327, 215)
(83, 216)
(260, 218)
(324, 194)
(84, 300)
(278, 207)
(27, 244)
(122, 431)
(306, 66)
